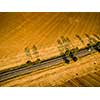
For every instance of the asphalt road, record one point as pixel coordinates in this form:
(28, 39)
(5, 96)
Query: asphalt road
(28, 69)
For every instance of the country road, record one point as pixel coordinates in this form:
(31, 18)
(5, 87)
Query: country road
(6, 75)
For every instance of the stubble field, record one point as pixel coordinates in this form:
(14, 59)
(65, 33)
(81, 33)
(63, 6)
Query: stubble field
(20, 30)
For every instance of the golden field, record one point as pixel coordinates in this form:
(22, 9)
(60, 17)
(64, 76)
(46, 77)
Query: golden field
(20, 30)
(59, 75)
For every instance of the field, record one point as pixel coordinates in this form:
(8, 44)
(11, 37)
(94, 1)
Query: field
(59, 75)
(21, 30)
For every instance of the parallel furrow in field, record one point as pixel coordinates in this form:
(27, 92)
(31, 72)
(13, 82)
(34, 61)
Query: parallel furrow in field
(91, 80)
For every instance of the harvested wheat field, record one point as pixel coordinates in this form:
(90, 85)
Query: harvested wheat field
(23, 31)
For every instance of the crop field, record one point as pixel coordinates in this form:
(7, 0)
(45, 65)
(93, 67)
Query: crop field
(59, 75)
(43, 30)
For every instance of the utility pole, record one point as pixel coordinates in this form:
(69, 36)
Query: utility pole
(72, 52)
(62, 46)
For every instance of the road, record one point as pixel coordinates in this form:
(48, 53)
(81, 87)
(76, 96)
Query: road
(6, 75)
